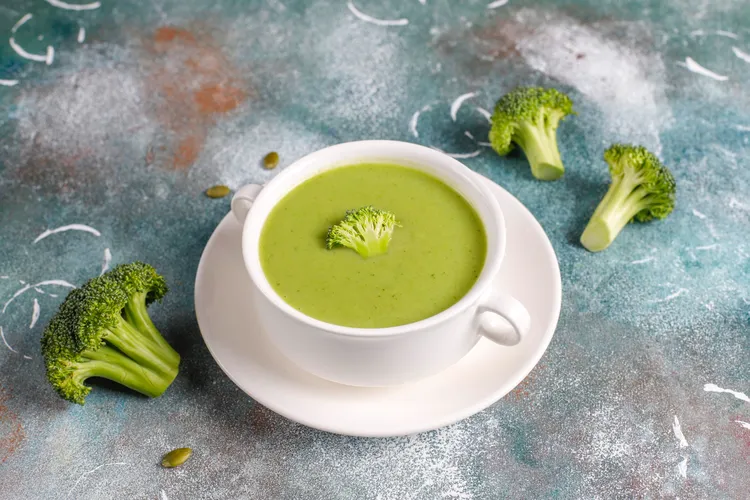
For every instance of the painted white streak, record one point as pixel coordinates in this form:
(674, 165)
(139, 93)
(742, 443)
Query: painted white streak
(2, 335)
(47, 58)
(459, 155)
(72, 6)
(727, 34)
(742, 128)
(698, 214)
(670, 297)
(27, 357)
(41, 283)
(735, 203)
(163, 495)
(369, 19)
(715, 388)
(456, 105)
(682, 468)
(9, 83)
(423, 2)
(106, 260)
(496, 4)
(83, 476)
(693, 66)
(746, 425)
(81, 34)
(34, 314)
(643, 261)
(677, 429)
(742, 55)
(708, 247)
(415, 121)
(70, 227)
(20, 22)
(485, 113)
(4, 277)
(468, 134)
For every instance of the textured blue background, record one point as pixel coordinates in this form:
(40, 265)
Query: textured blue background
(124, 131)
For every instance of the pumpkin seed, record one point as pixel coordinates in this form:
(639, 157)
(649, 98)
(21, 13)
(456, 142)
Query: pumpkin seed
(219, 191)
(176, 457)
(271, 160)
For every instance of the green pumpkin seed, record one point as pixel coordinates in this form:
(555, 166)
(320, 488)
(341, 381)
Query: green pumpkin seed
(177, 457)
(271, 160)
(219, 191)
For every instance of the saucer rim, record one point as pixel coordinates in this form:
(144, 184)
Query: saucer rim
(505, 387)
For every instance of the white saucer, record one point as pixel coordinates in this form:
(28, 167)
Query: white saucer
(530, 273)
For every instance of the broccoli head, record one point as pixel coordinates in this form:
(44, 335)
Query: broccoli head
(642, 189)
(528, 117)
(103, 330)
(366, 230)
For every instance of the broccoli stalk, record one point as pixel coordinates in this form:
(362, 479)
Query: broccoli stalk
(103, 330)
(366, 230)
(528, 117)
(642, 189)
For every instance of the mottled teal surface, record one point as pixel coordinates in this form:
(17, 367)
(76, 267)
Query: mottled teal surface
(116, 134)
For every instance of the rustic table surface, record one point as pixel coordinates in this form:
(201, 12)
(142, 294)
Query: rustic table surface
(115, 117)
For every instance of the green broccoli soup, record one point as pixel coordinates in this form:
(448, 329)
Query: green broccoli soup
(436, 251)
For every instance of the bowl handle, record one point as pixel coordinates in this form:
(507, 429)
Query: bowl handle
(517, 320)
(243, 199)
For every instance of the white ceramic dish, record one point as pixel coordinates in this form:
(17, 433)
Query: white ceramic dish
(530, 272)
(377, 357)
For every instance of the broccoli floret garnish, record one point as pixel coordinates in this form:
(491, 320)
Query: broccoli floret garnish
(103, 330)
(366, 230)
(642, 189)
(528, 117)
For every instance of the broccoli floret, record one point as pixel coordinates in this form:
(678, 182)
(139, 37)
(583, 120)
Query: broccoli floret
(528, 117)
(366, 230)
(642, 189)
(103, 330)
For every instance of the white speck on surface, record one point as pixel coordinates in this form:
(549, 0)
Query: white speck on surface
(85, 474)
(715, 388)
(727, 34)
(693, 66)
(735, 203)
(106, 260)
(708, 247)
(20, 22)
(34, 314)
(742, 55)
(626, 82)
(486, 114)
(46, 58)
(70, 6)
(81, 34)
(2, 335)
(742, 128)
(698, 214)
(4, 277)
(710, 306)
(27, 357)
(9, 83)
(69, 227)
(369, 19)
(682, 468)
(456, 104)
(746, 425)
(677, 429)
(670, 296)
(496, 4)
(423, 2)
(41, 283)
(414, 121)
(163, 495)
(643, 261)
